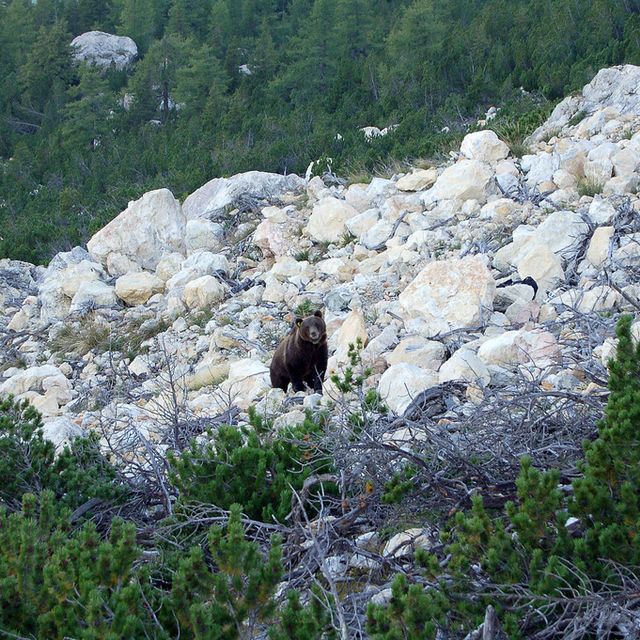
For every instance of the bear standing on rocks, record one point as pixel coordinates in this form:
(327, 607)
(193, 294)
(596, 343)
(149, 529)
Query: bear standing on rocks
(302, 356)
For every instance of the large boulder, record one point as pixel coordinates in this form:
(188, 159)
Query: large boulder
(401, 383)
(137, 288)
(216, 195)
(203, 292)
(615, 87)
(144, 232)
(465, 180)
(247, 380)
(61, 431)
(61, 280)
(465, 365)
(30, 379)
(93, 295)
(535, 349)
(427, 354)
(449, 294)
(485, 146)
(328, 220)
(104, 49)
(76, 275)
(418, 180)
(204, 234)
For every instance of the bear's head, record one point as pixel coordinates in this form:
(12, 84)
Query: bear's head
(312, 328)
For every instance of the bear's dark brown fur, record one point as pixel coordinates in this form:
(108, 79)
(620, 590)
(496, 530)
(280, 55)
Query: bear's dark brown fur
(301, 358)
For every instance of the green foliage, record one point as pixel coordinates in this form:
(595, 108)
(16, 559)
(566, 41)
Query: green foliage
(518, 119)
(28, 463)
(529, 543)
(589, 188)
(606, 497)
(298, 622)
(399, 486)
(413, 614)
(57, 583)
(304, 309)
(354, 375)
(214, 599)
(315, 68)
(246, 465)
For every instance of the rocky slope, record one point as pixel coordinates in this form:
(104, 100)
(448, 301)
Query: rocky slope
(178, 307)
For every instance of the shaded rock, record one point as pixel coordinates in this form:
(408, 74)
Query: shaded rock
(464, 365)
(61, 431)
(93, 295)
(203, 234)
(215, 196)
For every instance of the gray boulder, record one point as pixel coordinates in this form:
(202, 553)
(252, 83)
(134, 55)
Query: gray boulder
(212, 198)
(104, 49)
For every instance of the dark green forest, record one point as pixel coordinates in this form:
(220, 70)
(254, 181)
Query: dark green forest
(71, 155)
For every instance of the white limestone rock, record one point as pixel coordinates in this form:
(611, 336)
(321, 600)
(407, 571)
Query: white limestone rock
(418, 180)
(93, 295)
(104, 50)
(136, 288)
(75, 275)
(485, 146)
(361, 223)
(203, 292)
(426, 354)
(465, 180)
(203, 234)
(328, 219)
(536, 349)
(465, 365)
(405, 543)
(216, 195)
(401, 383)
(28, 379)
(448, 294)
(145, 231)
(598, 249)
(61, 431)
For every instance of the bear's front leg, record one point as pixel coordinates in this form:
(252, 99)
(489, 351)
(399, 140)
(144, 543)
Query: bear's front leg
(298, 384)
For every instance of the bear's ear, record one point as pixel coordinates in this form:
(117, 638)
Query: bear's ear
(318, 313)
(298, 322)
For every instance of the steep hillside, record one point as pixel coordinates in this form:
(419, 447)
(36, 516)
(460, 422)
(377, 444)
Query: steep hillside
(471, 311)
(195, 89)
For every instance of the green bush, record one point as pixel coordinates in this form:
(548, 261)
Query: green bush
(529, 543)
(28, 463)
(246, 465)
(58, 583)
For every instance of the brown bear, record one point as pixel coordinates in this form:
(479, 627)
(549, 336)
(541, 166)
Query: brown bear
(301, 358)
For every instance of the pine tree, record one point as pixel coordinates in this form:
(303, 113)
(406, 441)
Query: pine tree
(49, 58)
(607, 496)
(87, 112)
